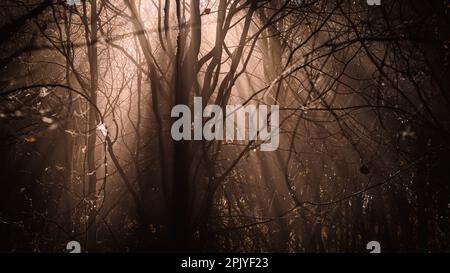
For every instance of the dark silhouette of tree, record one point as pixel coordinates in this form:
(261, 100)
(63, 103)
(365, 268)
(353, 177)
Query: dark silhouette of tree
(87, 153)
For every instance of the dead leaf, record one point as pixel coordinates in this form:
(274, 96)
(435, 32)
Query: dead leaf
(31, 139)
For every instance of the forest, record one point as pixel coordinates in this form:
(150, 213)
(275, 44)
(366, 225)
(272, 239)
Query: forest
(87, 89)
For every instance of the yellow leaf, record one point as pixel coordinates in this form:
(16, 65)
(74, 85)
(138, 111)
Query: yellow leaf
(31, 139)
